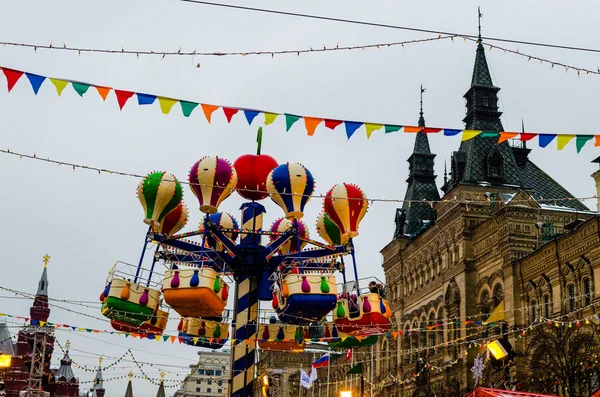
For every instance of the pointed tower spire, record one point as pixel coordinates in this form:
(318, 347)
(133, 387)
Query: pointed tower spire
(129, 390)
(161, 387)
(417, 211)
(65, 369)
(98, 389)
(39, 311)
(479, 15)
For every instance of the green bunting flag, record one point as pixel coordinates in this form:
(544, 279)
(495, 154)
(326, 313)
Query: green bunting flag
(80, 88)
(290, 119)
(187, 107)
(357, 369)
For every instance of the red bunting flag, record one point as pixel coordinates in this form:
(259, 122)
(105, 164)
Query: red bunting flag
(229, 112)
(526, 136)
(122, 97)
(12, 76)
(331, 124)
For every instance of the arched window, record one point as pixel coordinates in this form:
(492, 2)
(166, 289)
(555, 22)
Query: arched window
(495, 163)
(440, 329)
(431, 332)
(587, 291)
(423, 341)
(571, 297)
(533, 310)
(546, 300)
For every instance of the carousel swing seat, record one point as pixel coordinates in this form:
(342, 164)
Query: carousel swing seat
(155, 326)
(281, 337)
(195, 292)
(305, 298)
(128, 302)
(368, 314)
(203, 333)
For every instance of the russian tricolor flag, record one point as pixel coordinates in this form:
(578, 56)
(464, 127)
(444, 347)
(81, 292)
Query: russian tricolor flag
(322, 361)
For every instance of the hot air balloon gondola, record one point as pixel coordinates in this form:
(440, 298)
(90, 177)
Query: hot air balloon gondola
(203, 332)
(281, 337)
(366, 314)
(155, 326)
(195, 292)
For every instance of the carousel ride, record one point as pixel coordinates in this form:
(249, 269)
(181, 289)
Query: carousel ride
(282, 265)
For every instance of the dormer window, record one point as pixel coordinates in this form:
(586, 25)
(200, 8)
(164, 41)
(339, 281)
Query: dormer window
(495, 165)
(486, 101)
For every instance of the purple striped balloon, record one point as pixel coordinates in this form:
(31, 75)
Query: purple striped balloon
(212, 180)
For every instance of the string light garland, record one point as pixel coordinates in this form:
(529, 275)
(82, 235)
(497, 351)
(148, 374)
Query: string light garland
(478, 200)
(195, 53)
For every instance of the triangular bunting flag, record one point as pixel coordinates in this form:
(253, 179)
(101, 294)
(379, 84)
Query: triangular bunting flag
(311, 124)
(80, 88)
(489, 134)
(208, 110)
(408, 128)
(331, 124)
(173, 338)
(250, 115)
(122, 97)
(290, 119)
(451, 132)
(59, 84)
(581, 141)
(563, 140)
(229, 112)
(351, 127)
(429, 130)
(166, 104)
(195, 340)
(392, 128)
(527, 136)
(36, 81)
(597, 140)
(270, 118)
(187, 107)
(145, 99)
(42, 323)
(469, 134)
(545, 139)
(103, 91)
(505, 136)
(12, 76)
(371, 127)
(395, 334)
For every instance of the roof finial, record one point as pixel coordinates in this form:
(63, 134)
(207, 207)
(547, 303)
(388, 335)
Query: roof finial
(67, 345)
(523, 143)
(130, 375)
(445, 172)
(46, 259)
(421, 118)
(100, 361)
(479, 15)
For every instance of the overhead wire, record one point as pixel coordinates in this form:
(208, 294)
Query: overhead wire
(388, 26)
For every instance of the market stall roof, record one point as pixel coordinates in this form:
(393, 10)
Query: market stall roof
(487, 392)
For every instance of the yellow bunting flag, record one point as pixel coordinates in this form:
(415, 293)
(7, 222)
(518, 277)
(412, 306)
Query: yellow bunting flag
(59, 84)
(270, 118)
(103, 91)
(311, 124)
(505, 136)
(371, 127)
(563, 140)
(42, 323)
(195, 340)
(2, 315)
(470, 134)
(208, 110)
(166, 104)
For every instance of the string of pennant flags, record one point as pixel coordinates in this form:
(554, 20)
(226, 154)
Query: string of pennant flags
(310, 123)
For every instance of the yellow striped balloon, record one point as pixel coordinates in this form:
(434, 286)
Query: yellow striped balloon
(159, 193)
(291, 186)
(346, 205)
(212, 180)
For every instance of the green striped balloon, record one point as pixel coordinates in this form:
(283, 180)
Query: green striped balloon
(159, 194)
(329, 231)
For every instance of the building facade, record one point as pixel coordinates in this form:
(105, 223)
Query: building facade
(209, 378)
(504, 235)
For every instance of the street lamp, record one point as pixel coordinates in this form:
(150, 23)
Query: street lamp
(5, 360)
(497, 349)
(346, 393)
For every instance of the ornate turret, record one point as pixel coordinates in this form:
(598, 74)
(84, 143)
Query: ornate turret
(40, 311)
(65, 384)
(417, 212)
(129, 391)
(98, 388)
(161, 387)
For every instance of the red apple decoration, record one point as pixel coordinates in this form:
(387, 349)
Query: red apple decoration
(252, 171)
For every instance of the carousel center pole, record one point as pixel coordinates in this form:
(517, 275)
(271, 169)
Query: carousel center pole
(243, 352)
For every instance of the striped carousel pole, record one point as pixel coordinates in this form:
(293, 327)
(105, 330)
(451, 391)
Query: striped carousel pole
(243, 353)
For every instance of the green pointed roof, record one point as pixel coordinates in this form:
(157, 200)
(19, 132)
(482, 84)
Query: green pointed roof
(161, 390)
(129, 391)
(481, 72)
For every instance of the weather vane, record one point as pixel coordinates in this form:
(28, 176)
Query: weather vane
(46, 260)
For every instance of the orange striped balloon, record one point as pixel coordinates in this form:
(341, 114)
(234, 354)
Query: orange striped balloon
(346, 205)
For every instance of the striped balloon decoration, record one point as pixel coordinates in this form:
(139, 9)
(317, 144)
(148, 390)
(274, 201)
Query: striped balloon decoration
(174, 221)
(282, 225)
(212, 180)
(159, 193)
(329, 231)
(346, 205)
(290, 186)
(223, 220)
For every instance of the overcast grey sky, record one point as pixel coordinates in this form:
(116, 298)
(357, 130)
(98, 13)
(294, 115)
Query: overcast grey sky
(86, 222)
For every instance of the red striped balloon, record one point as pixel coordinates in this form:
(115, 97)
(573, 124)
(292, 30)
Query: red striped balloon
(174, 221)
(346, 205)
